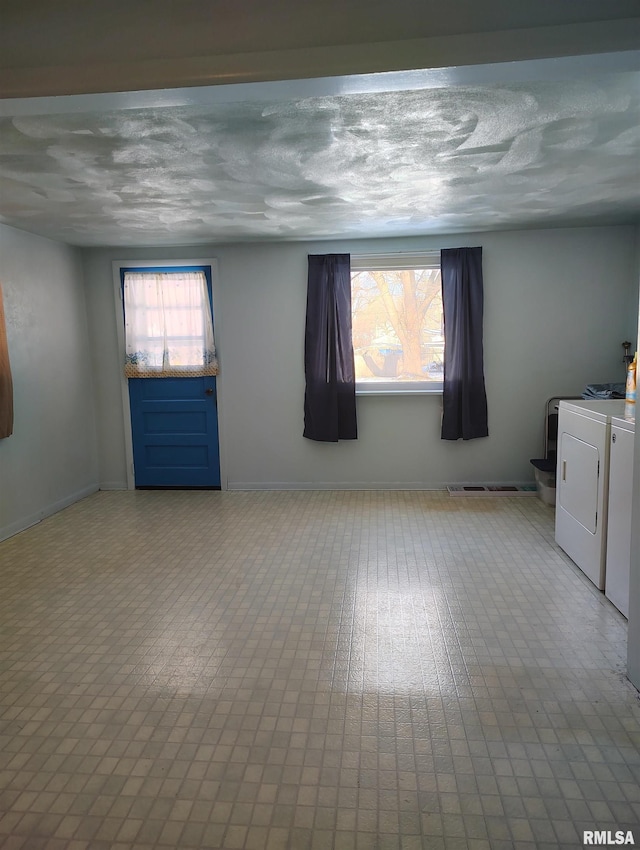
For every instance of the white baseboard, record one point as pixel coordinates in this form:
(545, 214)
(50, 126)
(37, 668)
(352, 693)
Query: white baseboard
(26, 522)
(336, 485)
(113, 485)
(362, 485)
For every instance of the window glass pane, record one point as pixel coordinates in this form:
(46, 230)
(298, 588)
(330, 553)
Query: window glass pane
(184, 353)
(397, 326)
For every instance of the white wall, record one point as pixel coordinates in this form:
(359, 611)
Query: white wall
(51, 459)
(556, 313)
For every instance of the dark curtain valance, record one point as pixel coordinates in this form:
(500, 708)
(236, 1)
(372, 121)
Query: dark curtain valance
(330, 397)
(464, 397)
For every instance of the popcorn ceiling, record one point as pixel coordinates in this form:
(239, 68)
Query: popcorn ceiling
(399, 163)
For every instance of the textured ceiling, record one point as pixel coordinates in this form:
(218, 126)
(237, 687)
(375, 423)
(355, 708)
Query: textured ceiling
(440, 160)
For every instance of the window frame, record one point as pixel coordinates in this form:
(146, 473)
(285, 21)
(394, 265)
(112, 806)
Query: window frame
(205, 269)
(397, 262)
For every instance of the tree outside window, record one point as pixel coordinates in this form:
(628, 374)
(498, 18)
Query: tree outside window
(397, 325)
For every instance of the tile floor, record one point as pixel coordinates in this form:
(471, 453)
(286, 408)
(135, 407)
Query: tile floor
(308, 671)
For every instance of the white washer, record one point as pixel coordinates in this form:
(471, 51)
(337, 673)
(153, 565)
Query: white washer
(582, 482)
(619, 514)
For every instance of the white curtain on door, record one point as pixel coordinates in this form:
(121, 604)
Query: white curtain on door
(168, 325)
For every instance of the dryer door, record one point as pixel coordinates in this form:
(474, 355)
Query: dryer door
(578, 485)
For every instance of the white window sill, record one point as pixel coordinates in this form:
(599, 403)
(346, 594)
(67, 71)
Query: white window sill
(390, 389)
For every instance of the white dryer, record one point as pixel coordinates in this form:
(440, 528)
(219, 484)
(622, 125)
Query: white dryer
(619, 521)
(582, 482)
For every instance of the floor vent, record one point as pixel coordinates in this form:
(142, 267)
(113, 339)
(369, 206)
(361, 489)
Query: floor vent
(491, 490)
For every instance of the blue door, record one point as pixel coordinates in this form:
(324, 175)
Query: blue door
(174, 425)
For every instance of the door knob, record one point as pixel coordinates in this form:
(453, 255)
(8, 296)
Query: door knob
(208, 391)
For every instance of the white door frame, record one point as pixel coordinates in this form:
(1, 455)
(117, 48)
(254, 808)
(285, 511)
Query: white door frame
(117, 266)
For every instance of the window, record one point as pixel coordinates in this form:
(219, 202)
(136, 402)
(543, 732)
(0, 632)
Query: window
(168, 325)
(398, 338)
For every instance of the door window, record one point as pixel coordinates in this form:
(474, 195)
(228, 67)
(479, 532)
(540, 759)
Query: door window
(168, 325)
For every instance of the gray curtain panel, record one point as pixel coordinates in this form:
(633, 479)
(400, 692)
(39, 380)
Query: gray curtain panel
(330, 396)
(464, 398)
